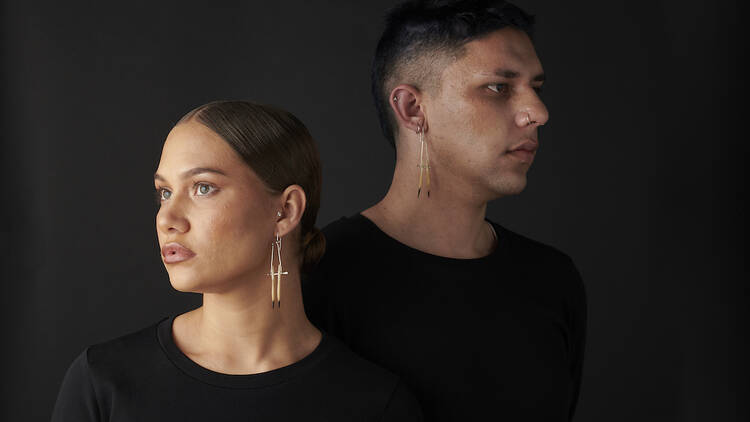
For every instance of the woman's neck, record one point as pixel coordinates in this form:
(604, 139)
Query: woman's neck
(239, 332)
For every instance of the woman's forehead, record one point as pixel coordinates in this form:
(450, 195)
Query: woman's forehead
(191, 145)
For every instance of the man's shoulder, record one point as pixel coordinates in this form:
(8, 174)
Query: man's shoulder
(524, 247)
(347, 238)
(346, 228)
(541, 261)
(368, 386)
(353, 371)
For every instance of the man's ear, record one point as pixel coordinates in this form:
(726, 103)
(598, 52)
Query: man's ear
(406, 103)
(293, 202)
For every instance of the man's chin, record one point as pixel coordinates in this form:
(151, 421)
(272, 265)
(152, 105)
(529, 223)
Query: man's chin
(509, 186)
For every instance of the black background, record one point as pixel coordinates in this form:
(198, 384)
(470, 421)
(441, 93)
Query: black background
(639, 178)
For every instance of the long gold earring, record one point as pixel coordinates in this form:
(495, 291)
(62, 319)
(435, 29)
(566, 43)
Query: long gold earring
(424, 162)
(276, 275)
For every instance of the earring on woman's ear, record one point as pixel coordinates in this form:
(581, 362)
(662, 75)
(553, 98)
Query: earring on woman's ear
(276, 275)
(424, 162)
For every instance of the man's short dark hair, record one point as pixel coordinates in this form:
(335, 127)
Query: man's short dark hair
(418, 34)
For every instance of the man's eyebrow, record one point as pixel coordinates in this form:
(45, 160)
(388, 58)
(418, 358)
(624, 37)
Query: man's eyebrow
(510, 74)
(192, 172)
(505, 73)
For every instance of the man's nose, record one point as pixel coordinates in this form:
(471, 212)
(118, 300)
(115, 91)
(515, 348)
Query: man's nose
(531, 111)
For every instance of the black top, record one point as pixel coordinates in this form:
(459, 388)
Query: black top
(502, 335)
(145, 377)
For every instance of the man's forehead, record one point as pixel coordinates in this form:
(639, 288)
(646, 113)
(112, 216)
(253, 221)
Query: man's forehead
(507, 49)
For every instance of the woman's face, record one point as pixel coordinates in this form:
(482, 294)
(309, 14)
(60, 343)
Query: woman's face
(217, 219)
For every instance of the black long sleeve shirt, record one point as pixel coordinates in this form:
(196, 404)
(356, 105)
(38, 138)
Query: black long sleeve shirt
(500, 336)
(145, 377)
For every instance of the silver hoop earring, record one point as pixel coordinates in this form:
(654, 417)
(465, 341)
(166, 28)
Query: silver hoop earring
(276, 275)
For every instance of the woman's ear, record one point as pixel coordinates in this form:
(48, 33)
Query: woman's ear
(406, 103)
(292, 205)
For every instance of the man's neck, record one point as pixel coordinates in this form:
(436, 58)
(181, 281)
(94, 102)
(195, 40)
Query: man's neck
(444, 224)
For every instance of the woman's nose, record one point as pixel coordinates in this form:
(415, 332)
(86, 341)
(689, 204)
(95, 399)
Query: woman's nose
(171, 217)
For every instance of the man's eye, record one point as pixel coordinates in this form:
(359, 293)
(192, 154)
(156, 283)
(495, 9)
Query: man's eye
(499, 88)
(538, 90)
(202, 189)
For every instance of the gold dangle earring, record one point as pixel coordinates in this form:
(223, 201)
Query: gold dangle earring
(276, 275)
(424, 162)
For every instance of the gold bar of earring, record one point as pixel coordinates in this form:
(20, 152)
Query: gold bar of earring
(273, 298)
(278, 272)
(421, 161)
(427, 156)
(278, 286)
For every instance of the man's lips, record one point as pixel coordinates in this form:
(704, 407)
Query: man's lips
(173, 253)
(525, 150)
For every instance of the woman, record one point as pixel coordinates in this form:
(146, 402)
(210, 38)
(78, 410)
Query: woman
(239, 188)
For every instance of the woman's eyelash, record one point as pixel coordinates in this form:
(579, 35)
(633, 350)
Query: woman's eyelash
(159, 194)
(198, 187)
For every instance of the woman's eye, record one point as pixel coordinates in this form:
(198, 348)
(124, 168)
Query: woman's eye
(162, 194)
(499, 88)
(203, 189)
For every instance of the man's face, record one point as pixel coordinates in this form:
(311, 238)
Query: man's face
(486, 107)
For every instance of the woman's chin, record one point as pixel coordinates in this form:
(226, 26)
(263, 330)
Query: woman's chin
(186, 285)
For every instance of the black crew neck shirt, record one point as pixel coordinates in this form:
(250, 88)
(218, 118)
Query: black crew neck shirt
(145, 377)
(499, 337)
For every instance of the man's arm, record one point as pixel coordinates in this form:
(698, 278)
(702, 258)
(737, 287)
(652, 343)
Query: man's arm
(577, 323)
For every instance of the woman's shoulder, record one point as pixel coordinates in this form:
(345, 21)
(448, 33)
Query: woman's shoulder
(128, 344)
(127, 362)
(121, 356)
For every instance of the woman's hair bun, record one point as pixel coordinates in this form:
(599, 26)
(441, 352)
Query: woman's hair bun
(313, 247)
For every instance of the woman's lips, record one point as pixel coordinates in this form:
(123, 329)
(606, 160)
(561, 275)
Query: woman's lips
(174, 252)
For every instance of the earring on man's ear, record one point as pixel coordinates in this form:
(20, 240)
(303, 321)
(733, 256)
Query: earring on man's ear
(424, 162)
(276, 276)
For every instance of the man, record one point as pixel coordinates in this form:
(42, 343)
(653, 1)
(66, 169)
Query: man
(479, 321)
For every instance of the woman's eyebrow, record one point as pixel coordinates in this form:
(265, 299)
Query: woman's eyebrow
(192, 172)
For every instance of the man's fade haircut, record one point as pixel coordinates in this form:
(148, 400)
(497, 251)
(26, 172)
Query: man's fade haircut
(419, 35)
